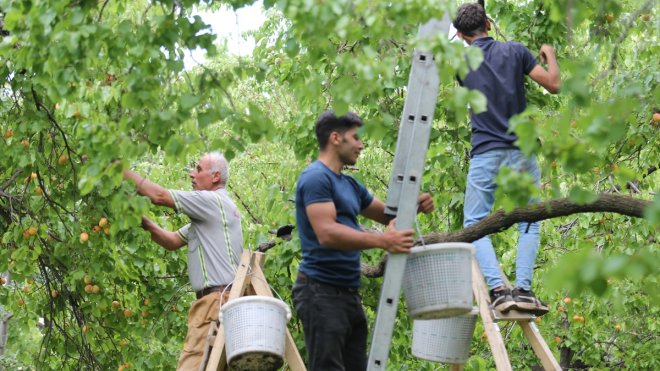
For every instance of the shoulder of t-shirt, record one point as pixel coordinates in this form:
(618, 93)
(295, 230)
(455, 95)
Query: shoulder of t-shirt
(525, 55)
(315, 169)
(313, 174)
(191, 196)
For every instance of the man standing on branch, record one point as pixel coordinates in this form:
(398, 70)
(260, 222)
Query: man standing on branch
(501, 77)
(214, 238)
(328, 202)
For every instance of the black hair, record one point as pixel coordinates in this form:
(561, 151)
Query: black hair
(328, 122)
(470, 19)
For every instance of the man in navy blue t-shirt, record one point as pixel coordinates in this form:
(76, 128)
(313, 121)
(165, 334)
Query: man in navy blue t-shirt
(501, 77)
(328, 202)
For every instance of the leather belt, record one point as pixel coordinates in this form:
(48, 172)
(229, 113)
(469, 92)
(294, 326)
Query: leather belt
(201, 293)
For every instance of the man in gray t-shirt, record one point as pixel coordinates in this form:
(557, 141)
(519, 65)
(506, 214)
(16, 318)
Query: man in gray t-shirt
(214, 240)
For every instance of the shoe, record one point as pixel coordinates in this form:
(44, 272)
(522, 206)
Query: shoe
(526, 301)
(502, 300)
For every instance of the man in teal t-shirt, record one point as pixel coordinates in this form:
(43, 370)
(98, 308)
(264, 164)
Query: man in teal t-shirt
(328, 202)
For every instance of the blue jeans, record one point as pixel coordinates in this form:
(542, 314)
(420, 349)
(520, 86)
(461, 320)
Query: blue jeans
(479, 199)
(334, 324)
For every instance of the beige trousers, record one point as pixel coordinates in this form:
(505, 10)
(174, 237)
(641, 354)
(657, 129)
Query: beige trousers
(203, 314)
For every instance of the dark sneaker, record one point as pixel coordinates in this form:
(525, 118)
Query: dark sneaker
(502, 300)
(526, 301)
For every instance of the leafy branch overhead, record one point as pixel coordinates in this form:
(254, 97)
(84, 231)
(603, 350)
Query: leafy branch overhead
(89, 87)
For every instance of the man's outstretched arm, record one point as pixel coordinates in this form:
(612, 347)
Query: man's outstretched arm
(550, 78)
(157, 194)
(169, 240)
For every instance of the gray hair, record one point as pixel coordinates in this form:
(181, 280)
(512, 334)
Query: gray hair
(219, 163)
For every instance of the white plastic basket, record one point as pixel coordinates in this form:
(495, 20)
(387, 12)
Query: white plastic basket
(255, 332)
(438, 280)
(444, 340)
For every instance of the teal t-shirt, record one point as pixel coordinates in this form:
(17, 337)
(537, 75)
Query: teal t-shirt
(316, 184)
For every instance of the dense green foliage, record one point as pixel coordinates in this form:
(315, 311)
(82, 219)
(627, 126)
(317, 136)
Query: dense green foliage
(87, 83)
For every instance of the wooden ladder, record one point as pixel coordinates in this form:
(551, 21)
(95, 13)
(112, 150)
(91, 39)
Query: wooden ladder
(490, 317)
(249, 280)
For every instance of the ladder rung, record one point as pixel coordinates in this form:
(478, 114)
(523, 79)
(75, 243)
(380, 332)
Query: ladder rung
(511, 315)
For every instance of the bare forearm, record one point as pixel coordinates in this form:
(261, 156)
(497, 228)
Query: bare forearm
(167, 239)
(156, 193)
(553, 71)
(345, 238)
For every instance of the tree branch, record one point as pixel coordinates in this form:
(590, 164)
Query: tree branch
(500, 220)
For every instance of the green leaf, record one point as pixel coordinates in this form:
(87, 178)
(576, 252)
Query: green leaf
(582, 196)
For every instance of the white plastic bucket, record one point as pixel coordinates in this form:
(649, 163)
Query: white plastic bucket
(438, 280)
(444, 340)
(255, 332)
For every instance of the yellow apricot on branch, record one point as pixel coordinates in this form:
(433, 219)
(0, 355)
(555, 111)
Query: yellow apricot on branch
(63, 159)
(656, 117)
(32, 231)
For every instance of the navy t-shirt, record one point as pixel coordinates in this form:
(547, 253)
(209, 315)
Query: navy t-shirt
(501, 78)
(317, 183)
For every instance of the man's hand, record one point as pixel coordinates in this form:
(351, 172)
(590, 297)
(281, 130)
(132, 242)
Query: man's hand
(167, 239)
(546, 53)
(550, 79)
(147, 224)
(425, 203)
(396, 241)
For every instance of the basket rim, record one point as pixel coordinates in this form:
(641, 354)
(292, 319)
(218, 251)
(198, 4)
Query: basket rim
(254, 299)
(442, 247)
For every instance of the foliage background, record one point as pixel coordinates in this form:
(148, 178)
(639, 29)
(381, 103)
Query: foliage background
(86, 83)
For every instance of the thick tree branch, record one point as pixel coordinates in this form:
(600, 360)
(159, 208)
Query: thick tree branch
(500, 221)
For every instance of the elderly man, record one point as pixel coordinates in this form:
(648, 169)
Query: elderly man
(214, 240)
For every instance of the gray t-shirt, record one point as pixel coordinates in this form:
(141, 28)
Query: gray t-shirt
(214, 236)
